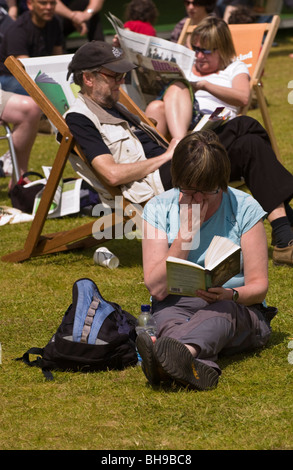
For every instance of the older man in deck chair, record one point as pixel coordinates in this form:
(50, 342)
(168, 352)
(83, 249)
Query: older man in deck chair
(127, 154)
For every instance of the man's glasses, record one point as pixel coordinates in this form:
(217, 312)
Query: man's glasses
(117, 77)
(203, 51)
(191, 191)
(187, 3)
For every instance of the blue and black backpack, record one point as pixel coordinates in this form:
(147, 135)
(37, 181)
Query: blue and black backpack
(94, 335)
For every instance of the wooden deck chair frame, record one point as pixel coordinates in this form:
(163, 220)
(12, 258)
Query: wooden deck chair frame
(81, 237)
(267, 31)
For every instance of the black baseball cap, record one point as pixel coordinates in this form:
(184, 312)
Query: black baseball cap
(99, 54)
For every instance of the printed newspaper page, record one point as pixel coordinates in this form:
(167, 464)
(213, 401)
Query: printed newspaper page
(158, 61)
(66, 199)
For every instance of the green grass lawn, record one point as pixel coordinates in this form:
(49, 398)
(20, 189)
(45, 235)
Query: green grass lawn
(252, 407)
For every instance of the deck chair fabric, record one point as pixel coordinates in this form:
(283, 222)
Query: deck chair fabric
(252, 44)
(84, 236)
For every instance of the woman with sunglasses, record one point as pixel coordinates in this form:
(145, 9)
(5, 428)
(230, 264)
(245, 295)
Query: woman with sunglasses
(219, 79)
(192, 331)
(216, 79)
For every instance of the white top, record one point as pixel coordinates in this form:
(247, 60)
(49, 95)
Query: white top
(207, 102)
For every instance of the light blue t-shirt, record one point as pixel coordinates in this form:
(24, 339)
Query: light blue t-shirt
(237, 213)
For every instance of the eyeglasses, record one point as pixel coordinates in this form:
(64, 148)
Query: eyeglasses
(187, 3)
(203, 51)
(117, 77)
(191, 191)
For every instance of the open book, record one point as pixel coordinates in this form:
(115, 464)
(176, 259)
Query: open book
(210, 121)
(158, 61)
(222, 262)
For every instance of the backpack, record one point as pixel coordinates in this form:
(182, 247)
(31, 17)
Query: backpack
(94, 335)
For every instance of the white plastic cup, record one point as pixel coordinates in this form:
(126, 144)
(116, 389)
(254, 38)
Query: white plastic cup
(104, 257)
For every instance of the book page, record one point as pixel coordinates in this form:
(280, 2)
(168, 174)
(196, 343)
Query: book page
(219, 249)
(225, 270)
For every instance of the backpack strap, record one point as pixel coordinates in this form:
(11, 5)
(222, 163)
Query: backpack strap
(37, 362)
(89, 319)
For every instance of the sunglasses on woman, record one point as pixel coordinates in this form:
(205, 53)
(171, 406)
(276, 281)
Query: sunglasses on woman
(197, 50)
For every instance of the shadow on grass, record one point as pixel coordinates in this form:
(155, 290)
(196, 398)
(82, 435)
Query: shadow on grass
(128, 252)
(277, 337)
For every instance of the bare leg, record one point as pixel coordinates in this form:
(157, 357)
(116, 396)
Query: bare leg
(178, 109)
(24, 114)
(174, 113)
(193, 349)
(156, 111)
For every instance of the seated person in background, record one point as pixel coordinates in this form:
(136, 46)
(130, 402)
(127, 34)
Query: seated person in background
(231, 6)
(35, 33)
(196, 10)
(121, 150)
(82, 16)
(24, 114)
(242, 14)
(5, 20)
(16, 8)
(217, 79)
(193, 331)
(141, 15)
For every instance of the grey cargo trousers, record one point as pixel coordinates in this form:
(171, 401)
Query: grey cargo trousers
(224, 327)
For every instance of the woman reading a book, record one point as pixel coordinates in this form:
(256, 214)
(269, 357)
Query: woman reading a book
(193, 330)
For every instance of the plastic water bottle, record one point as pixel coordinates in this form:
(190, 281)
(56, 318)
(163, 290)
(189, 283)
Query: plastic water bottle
(146, 323)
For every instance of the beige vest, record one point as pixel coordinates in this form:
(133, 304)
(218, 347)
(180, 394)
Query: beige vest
(124, 147)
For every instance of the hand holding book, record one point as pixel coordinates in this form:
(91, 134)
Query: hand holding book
(222, 262)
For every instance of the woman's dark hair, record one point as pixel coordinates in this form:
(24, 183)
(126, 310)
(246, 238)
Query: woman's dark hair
(200, 161)
(209, 5)
(142, 10)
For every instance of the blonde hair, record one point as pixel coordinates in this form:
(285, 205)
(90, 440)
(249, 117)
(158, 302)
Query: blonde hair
(214, 33)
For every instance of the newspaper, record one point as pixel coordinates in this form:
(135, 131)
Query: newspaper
(66, 199)
(158, 61)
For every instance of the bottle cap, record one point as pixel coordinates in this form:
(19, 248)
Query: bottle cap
(145, 308)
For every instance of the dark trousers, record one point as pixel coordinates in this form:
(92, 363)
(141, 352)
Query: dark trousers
(95, 30)
(252, 157)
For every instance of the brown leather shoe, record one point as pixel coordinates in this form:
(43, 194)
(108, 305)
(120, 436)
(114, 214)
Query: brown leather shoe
(283, 255)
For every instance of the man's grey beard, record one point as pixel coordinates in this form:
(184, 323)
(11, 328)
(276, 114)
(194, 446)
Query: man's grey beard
(108, 101)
